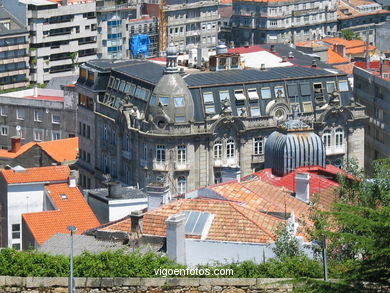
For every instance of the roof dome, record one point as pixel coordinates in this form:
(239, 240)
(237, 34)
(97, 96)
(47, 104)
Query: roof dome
(293, 145)
(171, 50)
(171, 101)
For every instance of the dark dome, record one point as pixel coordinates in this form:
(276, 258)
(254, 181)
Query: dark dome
(293, 145)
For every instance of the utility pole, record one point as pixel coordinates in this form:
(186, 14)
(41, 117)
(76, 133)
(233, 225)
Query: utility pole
(71, 288)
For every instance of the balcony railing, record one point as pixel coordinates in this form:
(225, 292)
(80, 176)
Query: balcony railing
(181, 166)
(257, 158)
(160, 165)
(231, 162)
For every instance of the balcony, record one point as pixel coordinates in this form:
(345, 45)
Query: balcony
(231, 162)
(256, 159)
(160, 165)
(182, 166)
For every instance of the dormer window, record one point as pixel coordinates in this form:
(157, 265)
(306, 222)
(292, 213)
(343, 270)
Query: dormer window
(208, 98)
(252, 94)
(265, 93)
(279, 92)
(343, 86)
(163, 101)
(179, 102)
(239, 94)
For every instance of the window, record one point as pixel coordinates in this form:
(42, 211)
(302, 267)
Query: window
(273, 23)
(343, 86)
(330, 87)
(180, 119)
(265, 93)
(55, 118)
(339, 138)
(217, 149)
(223, 96)
(181, 153)
(307, 107)
(210, 109)
(379, 113)
(20, 132)
(145, 154)
(252, 94)
(38, 135)
(160, 153)
(208, 98)
(258, 146)
(179, 102)
(4, 130)
(15, 231)
(55, 135)
(4, 110)
(326, 138)
(239, 94)
(20, 114)
(122, 86)
(230, 148)
(181, 184)
(153, 100)
(163, 101)
(255, 111)
(279, 92)
(217, 177)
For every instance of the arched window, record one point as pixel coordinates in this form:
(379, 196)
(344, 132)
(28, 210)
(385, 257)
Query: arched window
(339, 138)
(181, 184)
(217, 149)
(326, 138)
(230, 148)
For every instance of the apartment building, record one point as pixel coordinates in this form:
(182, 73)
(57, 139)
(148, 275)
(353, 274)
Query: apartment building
(13, 51)
(62, 35)
(37, 115)
(172, 132)
(192, 23)
(146, 27)
(113, 32)
(372, 89)
(362, 17)
(257, 22)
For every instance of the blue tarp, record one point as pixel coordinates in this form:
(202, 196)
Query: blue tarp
(139, 44)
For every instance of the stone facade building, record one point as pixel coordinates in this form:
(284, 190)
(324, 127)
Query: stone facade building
(258, 22)
(171, 132)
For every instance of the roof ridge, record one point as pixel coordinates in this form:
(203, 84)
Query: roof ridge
(251, 220)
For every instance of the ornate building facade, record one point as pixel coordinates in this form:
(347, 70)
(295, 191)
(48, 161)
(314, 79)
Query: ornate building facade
(171, 131)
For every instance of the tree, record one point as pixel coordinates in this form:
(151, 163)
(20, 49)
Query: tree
(286, 244)
(348, 34)
(358, 226)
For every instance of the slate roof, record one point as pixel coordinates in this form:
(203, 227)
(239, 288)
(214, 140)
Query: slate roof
(39, 174)
(127, 192)
(70, 209)
(231, 222)
(15, 26)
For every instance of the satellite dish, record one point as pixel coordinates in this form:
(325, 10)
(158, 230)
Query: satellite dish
(18, 128)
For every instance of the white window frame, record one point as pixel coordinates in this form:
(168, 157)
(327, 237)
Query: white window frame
(239, 95)
(181, 184)
(4, 133)
(160, 153)
(179, 102)
(55, 121)
(230, 148)
(279, 87)
(4, 110)
(343, 85)
(252, 94)
(327, 139)
(266, 93)
(181, 153)
(258, 145)
(339, 138)
(55, 135)
(208, 98)
(217, 149)
(20, 111)
(38, 116)
(38, 135)
(257, 111)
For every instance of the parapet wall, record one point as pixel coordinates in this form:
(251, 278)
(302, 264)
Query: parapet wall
(145, 285)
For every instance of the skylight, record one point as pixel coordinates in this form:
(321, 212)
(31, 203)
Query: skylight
(64, 196)
(195, 222)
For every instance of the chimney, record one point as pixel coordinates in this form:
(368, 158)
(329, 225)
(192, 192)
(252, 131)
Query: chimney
(339, 49)
(262, 67)
(176, 245)
(114, 189)
(15, 144)
(284, 59)
(272, 49)
(290, 55)
(302, 187)
(72, 180)
(35, 91)
(136, 221)
(313, 63)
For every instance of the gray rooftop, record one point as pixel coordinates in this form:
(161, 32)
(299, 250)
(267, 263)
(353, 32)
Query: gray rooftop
(56, 83)
(126, 193)
(15, 26)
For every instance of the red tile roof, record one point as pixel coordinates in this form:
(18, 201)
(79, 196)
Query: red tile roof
(39, 174)
(334, 58)
(72, 210)
(245, 50)
(60, 150)
(231, 222)
(46, 98)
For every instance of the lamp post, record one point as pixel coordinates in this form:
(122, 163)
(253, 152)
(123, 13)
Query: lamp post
(72, 230)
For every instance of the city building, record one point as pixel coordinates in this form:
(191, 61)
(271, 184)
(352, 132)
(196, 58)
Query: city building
(171, 132)
(37, 115)
(148, 28)
(362, 17)
(13, 52)
(62, 35)
(39, 154)
(113, 38)
(37, 203)
(258, 22)
(372, 89)
(192, 23)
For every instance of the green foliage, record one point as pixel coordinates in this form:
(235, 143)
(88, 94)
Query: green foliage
(348, 34)
(286, 244)
(42, 85)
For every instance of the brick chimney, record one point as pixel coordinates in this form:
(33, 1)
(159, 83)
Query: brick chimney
(339, 49)
(15, 144)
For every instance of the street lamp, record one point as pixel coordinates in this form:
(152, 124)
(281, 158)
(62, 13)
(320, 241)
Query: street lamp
(71, 287)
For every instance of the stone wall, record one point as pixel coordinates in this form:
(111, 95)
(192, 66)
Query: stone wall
(144, 285)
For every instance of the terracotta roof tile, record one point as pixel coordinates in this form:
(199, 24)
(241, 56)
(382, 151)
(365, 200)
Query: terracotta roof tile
(72, 210)
(60, 150)
(40, 174)
(232, 222)
(334, 57)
